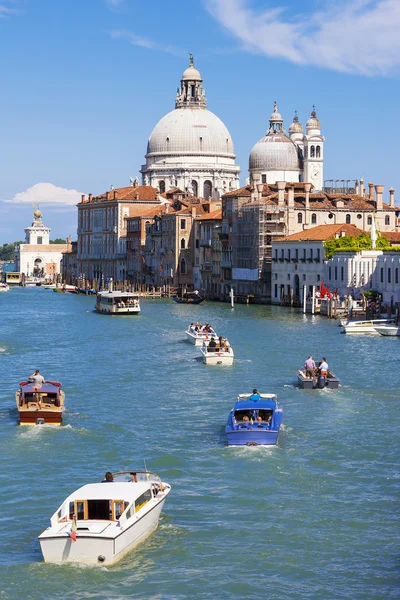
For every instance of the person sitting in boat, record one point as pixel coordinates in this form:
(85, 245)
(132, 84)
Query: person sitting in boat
(134, 478)
(323, 367)
(255, 395)
(309, 367)
(36, 378)
(212, 345)
(191, 328)
(108, 477)
(246, 419)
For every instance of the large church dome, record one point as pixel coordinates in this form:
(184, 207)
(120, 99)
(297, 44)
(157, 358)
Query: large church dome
(190, 131)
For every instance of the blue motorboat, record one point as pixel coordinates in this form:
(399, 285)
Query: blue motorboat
(254, 420)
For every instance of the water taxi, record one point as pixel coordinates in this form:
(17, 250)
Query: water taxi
(199, 337)
(217, 355)
(366, 326)
(40, 404)
(117, 303)
(388, 330)
(254, 420)
(101, 522)
(317, 381)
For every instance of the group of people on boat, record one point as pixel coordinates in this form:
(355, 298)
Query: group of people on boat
(128, 302)
(218, 345)
(199, 328)
(312, 370)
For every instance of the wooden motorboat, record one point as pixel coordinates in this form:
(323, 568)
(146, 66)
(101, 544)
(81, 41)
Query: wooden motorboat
(100, 522)
(254, 420)
(40, 404)
(189, 298)
(318, 381)
(117, 303)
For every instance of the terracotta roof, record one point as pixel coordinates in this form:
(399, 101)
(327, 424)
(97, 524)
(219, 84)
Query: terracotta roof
(322, 233)
(148, 212)
(392, 236)
(213, 215)
(44, 247)
(140, 192)
(243, 191)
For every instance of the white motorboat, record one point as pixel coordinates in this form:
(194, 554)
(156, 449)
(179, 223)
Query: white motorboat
(117, 303)
(390, 330)
(199, 337)
(4, 287)
(366, 326)
(217, 355)
(101, 522)
(49, 286)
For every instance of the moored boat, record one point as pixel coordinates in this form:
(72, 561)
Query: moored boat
(40, 404)
(4, 287)
(117, 303)
(254, 420)
(217, 355)
(388, 330)
(317, 381)
(365, 326)
(100, 522)
(65, 288)
(189, 298)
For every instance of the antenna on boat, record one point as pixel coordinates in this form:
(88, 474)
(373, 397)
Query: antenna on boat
(146, 471)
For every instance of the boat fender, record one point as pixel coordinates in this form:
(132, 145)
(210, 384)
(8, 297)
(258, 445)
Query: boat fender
(101, 558)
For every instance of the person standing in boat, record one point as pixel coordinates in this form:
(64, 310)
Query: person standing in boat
(309, 367)
(36, 378)
(255, 395)
(323, 367)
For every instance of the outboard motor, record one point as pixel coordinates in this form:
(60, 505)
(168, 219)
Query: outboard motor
(320, 381)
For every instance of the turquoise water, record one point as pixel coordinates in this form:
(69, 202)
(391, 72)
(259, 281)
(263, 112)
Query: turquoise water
(315, 517)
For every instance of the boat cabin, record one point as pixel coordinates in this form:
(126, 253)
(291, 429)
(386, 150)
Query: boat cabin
(47, 394)
(117, 303)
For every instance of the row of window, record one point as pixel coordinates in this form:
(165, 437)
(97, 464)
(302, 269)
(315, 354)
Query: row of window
(207, 188)
(295, 255)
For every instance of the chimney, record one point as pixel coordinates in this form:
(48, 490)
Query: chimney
(362, 188)
(193, 212)
(106, 195)
(260, 187)
(391, 192)
(371, 190)
(115, 194)
(90, 197)
(83, 198)
(307, 189)
(356, 186)
(290, 196)
(281, 192)
(167, 208)
(379, 193)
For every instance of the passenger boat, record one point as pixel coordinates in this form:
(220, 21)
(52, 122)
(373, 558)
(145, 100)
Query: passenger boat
(366, 326)
(199, 337)
(318, 381)
(388, 330)
(4, 287)
(254, 422)
(189, 298)
(117, 303)
(217, 356)
(40, 404)
(100, 522)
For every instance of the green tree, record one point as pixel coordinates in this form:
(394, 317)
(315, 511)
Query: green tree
(7, 250)
(58, 241)
(354, 244)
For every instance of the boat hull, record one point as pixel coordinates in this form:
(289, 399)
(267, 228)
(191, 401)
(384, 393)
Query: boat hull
(306, 383)
(252, 437)
(218, 358)
(98, 550)
(198, 340)
(118, 311)
(39, 417)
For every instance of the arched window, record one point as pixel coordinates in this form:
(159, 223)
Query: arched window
(313, 218)
(161, 186)
(207, 189)
(299, 217)
(369, 220)
(312, 151)
(318, 151)
(183, 266)
(348, 219)
(387, 220)
(183, 244)
(195, 188)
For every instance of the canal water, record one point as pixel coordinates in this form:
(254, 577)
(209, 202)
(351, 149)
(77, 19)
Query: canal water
(315, 517)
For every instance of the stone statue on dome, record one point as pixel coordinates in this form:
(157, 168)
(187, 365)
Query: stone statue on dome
(146, 180)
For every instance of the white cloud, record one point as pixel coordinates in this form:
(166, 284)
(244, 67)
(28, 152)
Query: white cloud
(114, 3)
(352, 36)
(143, 42)
(6, 10)
(46, 193)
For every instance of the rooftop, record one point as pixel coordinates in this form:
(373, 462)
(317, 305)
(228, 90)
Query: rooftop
(322, 233)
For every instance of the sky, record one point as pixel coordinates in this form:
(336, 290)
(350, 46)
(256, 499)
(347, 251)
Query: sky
(83, 84)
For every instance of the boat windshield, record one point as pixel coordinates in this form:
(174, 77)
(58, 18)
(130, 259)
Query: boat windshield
(124, 476)
(261, 415)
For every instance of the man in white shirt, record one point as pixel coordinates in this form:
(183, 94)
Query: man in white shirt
(323, 367)
(37, 378)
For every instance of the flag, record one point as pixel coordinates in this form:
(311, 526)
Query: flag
(72, 533)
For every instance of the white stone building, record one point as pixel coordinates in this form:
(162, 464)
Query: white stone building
(293, 158)
(190, 148)
(37, 257)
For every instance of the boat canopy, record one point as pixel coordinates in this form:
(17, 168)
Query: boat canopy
(109, 490)
(263, 403)
(117, 295)
(46, 388)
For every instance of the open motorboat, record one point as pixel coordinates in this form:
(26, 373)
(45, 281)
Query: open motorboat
(4, 287)
(388, 330)
(317, 381)
(117, 303)
(49, 286)
(217, 355)
(189, 298)
(254, 421)
(65, 288)
(365, 326)
(40, 404)
(199, 337)
(100, 522)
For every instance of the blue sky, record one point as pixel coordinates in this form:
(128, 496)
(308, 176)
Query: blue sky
(83, 83)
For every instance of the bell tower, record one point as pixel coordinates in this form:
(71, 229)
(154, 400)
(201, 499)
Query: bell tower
(314, 152)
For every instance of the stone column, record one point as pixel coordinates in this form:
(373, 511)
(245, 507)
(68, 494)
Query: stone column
(307, 189)
(259, 187)
(281, 192)
(391, 192)
(362, 188)
(379, 193)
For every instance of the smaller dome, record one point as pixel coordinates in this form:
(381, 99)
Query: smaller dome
(296, 127)
(276, 117)
(191, 73)
(313, 122)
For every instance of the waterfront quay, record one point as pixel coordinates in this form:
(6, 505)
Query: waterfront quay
(313, 517)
